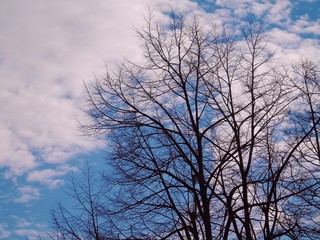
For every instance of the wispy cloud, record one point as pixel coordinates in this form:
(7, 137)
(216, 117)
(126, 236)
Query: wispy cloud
(27, 194)
(52, 178)
(27, 228)
(276, 11)
(305, 25)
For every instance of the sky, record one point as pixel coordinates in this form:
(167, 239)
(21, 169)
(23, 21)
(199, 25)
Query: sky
(49, 49)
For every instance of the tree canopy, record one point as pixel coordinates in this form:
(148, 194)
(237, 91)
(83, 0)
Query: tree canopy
(209, 138)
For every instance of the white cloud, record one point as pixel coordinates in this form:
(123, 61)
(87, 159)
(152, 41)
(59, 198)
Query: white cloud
(305, 25)
(47, 49)
(14, 152)
(50, 177)
(276, 11)
(27, 194)
(280, 12)
(284, 39)
(260, 8)
(290, 47)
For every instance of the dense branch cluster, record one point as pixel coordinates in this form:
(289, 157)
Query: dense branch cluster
(209, 139)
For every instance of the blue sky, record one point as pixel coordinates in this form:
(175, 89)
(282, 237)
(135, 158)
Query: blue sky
(48, 48)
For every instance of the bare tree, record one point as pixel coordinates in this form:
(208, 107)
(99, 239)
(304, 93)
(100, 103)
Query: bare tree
(209, 140)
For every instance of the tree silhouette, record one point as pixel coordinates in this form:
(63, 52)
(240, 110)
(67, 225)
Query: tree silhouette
(209, 138)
